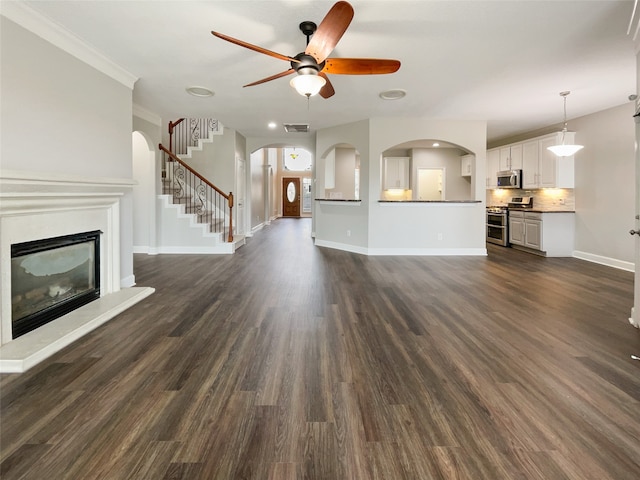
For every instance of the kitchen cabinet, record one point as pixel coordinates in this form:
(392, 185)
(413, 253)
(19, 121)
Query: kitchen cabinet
(542, 169)
(396, 173)
(493, 164)
(516, 228)
(533, 230)
(511, 157)
(550, 234)
(466, 162)
(530, 164)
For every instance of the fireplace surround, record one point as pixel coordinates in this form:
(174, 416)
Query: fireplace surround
(49, 206)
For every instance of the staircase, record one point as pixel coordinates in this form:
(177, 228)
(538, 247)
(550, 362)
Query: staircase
(195, 216)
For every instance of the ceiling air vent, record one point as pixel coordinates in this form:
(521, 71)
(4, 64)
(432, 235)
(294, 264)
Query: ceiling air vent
(296, 127)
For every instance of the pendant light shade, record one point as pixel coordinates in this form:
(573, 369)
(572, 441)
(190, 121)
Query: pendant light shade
(563, 149)
(307, 82)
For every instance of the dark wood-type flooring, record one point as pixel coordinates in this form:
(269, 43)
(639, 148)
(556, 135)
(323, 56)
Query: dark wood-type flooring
(289, 361)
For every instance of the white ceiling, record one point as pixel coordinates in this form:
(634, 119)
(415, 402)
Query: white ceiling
(500, 61)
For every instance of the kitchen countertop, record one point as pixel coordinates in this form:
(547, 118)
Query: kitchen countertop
(538, 210)
(429, 201)
(337, 200)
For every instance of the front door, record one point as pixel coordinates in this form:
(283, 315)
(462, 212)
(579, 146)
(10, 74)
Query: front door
(290, 197)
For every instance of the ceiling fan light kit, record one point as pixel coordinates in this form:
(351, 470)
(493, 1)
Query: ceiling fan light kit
(562, 149)
(308, 84)
(312, 66)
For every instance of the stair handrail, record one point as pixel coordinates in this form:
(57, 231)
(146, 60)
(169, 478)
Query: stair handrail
(228, 197)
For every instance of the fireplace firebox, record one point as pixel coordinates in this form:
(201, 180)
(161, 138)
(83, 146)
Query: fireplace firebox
(52, 277)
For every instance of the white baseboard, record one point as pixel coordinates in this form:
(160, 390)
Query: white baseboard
(221, 249)
(402, 251)
(341, 246)
(609, 262)
(257, 228)
(128, 282)
(426, 252)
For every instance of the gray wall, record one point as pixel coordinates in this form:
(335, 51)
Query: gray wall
(63, 116)
(605, 183)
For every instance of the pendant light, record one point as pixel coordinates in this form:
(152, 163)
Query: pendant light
(564, 150)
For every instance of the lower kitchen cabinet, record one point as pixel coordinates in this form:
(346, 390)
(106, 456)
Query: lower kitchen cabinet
(548, 233)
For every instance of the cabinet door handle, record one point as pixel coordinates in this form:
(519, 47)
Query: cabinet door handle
(634, 232)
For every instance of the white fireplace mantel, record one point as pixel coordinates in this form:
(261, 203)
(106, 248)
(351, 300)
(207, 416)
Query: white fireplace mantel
(34, 206)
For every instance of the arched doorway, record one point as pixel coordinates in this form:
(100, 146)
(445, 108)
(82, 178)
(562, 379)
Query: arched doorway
(144, 194)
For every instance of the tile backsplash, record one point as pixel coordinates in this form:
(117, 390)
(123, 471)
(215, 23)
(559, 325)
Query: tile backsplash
(543, 198)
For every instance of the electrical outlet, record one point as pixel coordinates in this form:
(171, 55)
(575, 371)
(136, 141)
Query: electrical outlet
(439, 236)
(348, 233)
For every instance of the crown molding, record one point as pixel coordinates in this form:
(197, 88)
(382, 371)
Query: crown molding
(62, 38)
(145, 114)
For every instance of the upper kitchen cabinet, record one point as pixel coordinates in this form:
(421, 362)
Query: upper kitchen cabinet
(493, 165)
(466, 165)
(396, 173)
(511, 157)
(542, 169)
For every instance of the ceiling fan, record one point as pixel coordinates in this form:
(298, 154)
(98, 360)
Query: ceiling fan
(313, 65)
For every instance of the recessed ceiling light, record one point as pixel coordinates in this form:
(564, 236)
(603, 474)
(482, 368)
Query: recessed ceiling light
(273, 124)
(199, 92)
(394, 94)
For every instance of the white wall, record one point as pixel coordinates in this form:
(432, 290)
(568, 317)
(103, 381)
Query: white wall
(216, 160)
(376, 227)
(605, 183)
(344, 225)
(427, 228)
(61, 115)
(259, 188)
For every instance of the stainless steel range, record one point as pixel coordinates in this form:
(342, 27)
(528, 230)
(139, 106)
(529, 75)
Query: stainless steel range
(498, 220)
(497, 225)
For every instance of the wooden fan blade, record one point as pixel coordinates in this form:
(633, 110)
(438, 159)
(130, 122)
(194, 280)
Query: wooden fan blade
(330, 31)
(272, 77)
(326, 91)
(360, 66)
(255, 48)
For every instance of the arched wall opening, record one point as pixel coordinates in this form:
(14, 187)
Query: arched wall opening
(427, 170)
(338, 173)
(144, 194)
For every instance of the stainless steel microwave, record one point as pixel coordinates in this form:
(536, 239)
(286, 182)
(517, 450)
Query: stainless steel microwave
(510, 179)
